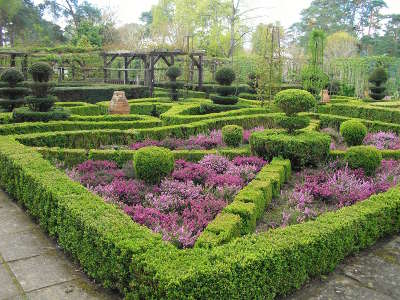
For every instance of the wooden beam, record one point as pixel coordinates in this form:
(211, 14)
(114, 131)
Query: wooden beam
(126, 73)
(201, 73)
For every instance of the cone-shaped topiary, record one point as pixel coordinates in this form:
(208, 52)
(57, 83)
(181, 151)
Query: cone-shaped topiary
(12, 95)
(40, 101)
(12, 76)
(41, 72)
(152, 164)
(377, 82)
(225, 76)
(173, 73)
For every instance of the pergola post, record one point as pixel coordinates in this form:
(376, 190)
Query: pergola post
(126, 73)
(201, 73)
(104, 67)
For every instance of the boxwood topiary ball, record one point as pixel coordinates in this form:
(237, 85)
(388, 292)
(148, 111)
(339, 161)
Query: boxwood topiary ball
(41, 71)
(294, 123)
(232, 135)
(293, 101)
(12, 76)
(151, 164)
(367, 158)
(353, 132)
(225, 76)
(173, 73)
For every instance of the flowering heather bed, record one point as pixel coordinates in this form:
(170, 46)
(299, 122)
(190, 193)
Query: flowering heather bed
(381, 140)
(182, 205)
(332, 187)
(199, 142)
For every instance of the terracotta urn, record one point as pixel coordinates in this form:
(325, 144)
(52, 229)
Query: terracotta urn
(119, 104)
(325, 98)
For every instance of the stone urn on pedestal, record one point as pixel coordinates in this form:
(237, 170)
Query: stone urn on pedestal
(325, 98)
(119, 104)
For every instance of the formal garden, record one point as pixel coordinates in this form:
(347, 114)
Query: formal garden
(171, 174)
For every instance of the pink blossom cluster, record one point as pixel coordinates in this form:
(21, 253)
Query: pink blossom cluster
(182, 205)
(336, 186)
(383, 140)
(198, 142)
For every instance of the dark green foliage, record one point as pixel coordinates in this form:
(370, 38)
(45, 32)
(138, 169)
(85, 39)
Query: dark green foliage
(294, 123)
(224, 100)
(314, 80)
(378, 76)
(24, 114)
(173, 73)
(353, 132)
(154, 112)
(40, 101)
(225, 76)
(293, 101)
(152, 164)
(367, 158)
(253, 81)
(98, 93)
(309, 148)
(41, 72)
(206, 108)
(334, 87)
(12, 96)
(41, 104)
(12, 76)
(377, 81)
(232, 135)
(40, 89)
(226, 90)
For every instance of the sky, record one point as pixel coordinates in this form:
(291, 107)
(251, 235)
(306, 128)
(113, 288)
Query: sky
(285, 11)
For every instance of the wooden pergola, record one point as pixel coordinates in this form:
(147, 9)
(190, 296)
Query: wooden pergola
(13, 56)
(149, 60)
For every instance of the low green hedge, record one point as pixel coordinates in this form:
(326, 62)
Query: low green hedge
(96, 138)
(182, 114)
(37, 127)
(122, 255)
(72, 157)
(368, 112)
(303, 149)
(25, 114)
(386, 154)
(97, 93)
(240, 217)
(335, 121)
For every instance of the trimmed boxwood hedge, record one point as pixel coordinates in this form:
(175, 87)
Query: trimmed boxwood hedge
(96, 138)
(120, 254)
(97, 93)
(363, 111)
(306, 148)
(26, 128)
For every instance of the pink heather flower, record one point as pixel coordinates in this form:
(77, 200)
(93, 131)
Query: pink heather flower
(216, 163)
(248, 132)
(383, 140)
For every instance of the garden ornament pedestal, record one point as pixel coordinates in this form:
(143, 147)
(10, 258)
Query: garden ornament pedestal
(325, 98)
(119, 104)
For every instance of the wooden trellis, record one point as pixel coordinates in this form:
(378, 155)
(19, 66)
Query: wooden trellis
(150, 60)
(13, 57)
